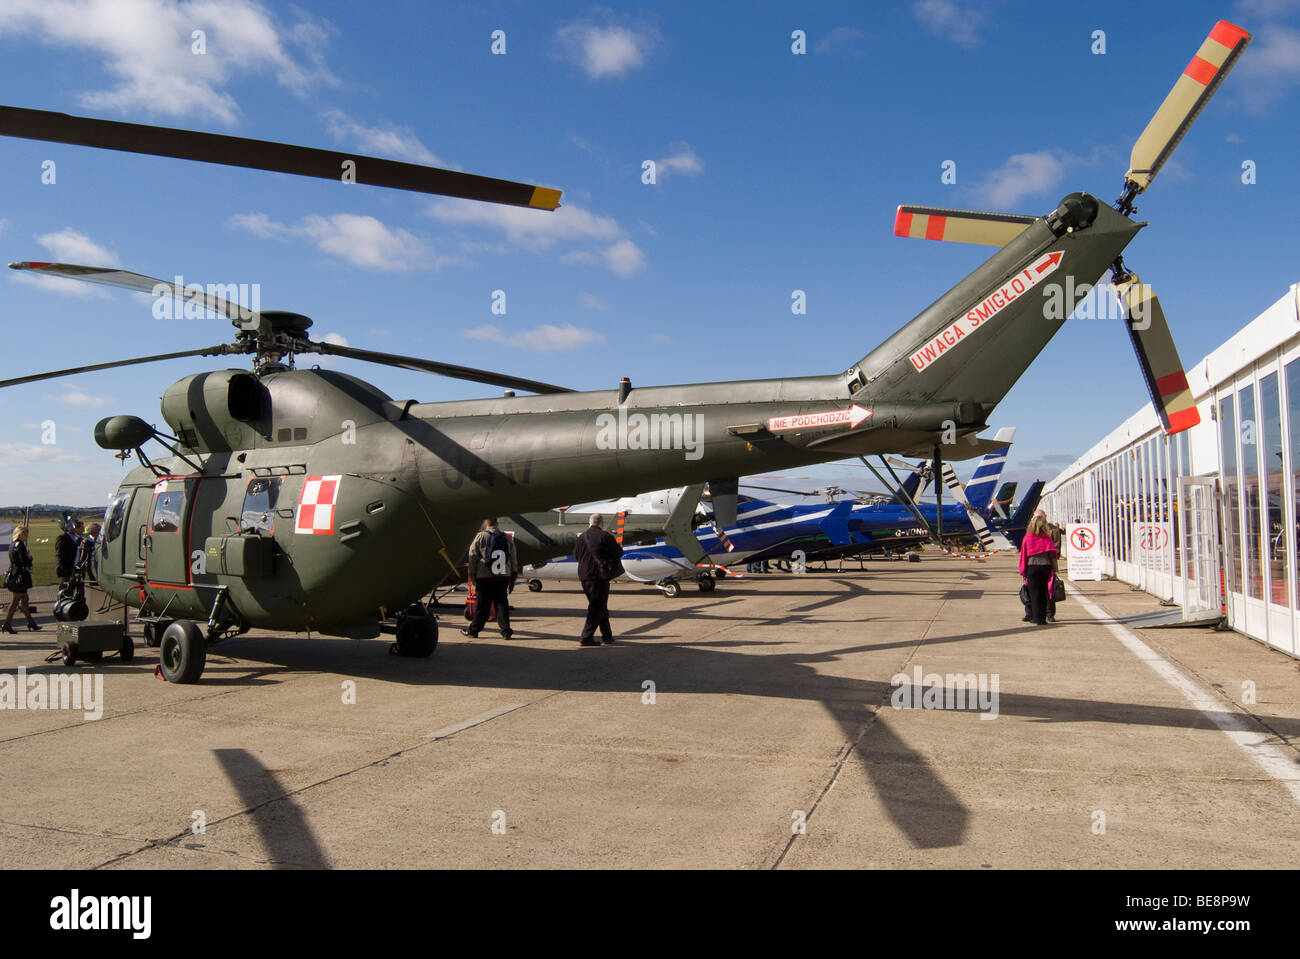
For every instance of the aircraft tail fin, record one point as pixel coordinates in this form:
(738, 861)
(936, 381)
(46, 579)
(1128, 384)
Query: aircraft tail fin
(1015, 527)
(1002, 502)
(983, 482)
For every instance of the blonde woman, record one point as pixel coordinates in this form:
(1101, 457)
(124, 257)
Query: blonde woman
(1038, 565)
(19, 579)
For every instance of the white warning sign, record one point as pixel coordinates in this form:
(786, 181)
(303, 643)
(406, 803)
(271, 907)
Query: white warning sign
(1083, 551)
(808, 421)
(992, 305)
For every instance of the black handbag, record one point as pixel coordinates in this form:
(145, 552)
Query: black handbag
(1024, 594)
(18, 580)
(1058, 589)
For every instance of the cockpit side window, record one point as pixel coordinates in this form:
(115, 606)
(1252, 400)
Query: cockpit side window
(115, 517)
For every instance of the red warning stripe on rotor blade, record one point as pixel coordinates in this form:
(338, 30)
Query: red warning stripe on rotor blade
(1228, 34)
(1184, 419)
(1172, 383)
(1202, 71)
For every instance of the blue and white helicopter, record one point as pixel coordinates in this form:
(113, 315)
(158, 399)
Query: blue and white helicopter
(694, 548)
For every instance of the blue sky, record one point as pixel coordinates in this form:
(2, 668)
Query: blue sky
(776, 172)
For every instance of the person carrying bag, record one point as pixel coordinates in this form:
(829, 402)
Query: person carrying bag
(1038, 555)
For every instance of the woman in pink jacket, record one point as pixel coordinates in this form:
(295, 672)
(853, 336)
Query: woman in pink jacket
(1038, 565)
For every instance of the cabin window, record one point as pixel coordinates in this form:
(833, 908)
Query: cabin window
(258, 515)
(167, 511)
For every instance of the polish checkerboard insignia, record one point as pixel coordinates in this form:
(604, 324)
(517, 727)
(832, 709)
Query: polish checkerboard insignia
(316, 505)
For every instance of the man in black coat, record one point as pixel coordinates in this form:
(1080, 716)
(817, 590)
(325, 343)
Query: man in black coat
(65, 551)
(598, 556)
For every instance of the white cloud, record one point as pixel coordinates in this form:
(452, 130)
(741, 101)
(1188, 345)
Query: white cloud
(335, 339)
(73, 246)
(544, 339)
(535, 229)
(624, 257)
(949, 20)
(391, 142)
(20, 453)
(360, 240)
(591, 301)
(1023, 175)
(840, 40)
(147, 47)
(259, 224)
(83, 401)
(606, 51)
(1232, 138)
(1270, 69)
(59, 285)
(69, 246)
(682, 159)
(1267, 8)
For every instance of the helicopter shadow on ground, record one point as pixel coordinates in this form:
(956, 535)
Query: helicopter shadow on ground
(911, 789)
(279, 820)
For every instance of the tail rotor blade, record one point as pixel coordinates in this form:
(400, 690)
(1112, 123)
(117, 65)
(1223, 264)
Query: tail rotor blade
(1157, 355)
(959, 226)
(1192, 91)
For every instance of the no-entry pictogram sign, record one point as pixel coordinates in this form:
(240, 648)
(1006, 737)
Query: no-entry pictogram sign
(1083, 551)
(1082, 538)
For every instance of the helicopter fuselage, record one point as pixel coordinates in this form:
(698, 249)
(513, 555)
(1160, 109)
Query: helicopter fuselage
(310, 500)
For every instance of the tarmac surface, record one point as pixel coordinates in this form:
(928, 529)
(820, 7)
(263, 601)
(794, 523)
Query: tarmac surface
(770, 740)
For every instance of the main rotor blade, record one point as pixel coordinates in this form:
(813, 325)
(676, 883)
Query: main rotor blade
(959, 226)
(241, 316)
(1157, 355)
(778, 489)
(434, 366)
(268, 155)
(219, 350)
(1191, 92)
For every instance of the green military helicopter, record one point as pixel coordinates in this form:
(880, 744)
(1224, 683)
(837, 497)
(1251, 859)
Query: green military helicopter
(309, 500)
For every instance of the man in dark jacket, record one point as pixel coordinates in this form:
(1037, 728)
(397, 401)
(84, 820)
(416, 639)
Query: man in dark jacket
(65, 551)
(493, 566)
(598, 555)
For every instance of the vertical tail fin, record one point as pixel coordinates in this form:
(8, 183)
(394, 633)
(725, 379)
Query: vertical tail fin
(979, 490)
(1015, 527)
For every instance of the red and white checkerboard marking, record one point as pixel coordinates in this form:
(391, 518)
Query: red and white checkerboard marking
(316, 505)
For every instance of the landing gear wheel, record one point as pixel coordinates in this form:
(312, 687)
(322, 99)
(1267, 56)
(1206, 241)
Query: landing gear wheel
(671, 588)
(69, 654)
(182, 652)
(534, 586)
(127, 652)
(417, 635)
(707, 584)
